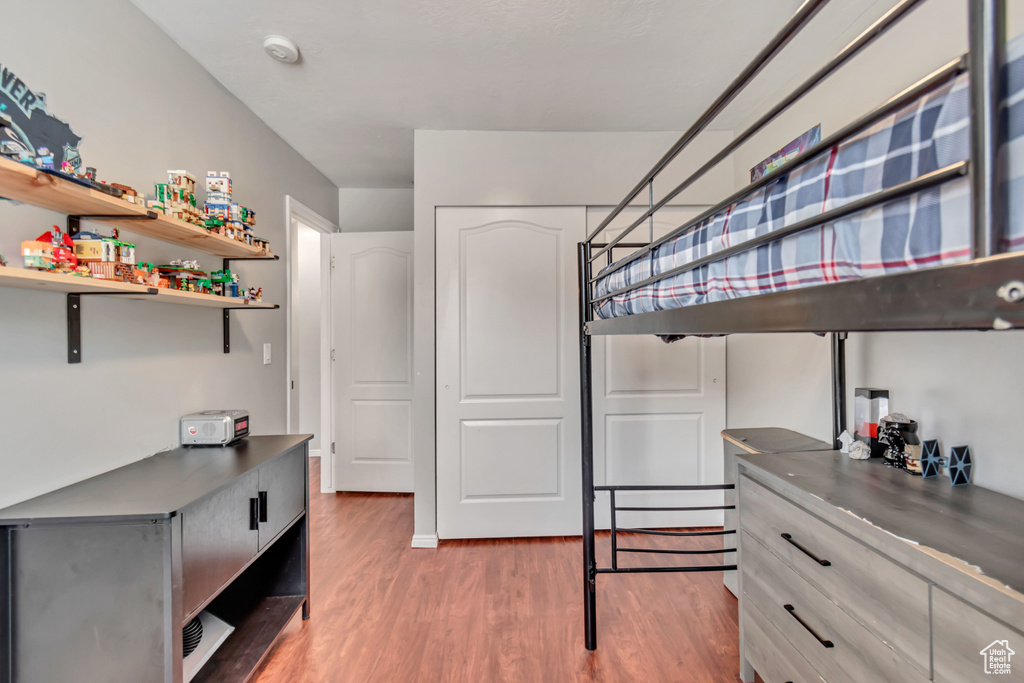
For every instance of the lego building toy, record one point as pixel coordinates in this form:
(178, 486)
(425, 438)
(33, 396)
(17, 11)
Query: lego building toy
(178, 197)
(60, 256)
(104, 255)
(38, 255)
(130, 194)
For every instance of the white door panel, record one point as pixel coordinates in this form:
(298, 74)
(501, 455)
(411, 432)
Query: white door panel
(659, 409)
(507, 372)
(508, 385)
(373, 285)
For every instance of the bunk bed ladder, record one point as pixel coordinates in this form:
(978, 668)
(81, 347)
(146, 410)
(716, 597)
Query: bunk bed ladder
(615, 531)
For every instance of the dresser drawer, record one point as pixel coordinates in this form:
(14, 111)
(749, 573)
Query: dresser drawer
(771, 655)
(832, 641)
(885, 598)
(965, 640)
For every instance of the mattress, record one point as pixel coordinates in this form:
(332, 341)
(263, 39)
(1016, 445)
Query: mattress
(928, 229)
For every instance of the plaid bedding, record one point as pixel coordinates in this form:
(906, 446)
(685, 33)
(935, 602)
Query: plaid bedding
(931, 228)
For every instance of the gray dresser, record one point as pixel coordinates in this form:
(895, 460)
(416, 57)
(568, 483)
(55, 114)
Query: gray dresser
(737, 442)
(854, 572)
(100, 577)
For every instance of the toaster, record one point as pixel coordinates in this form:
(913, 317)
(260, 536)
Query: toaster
(214, 427)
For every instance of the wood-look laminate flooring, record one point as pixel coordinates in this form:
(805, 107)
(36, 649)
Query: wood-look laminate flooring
(490, 610)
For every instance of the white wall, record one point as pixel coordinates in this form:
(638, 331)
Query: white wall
(143, 106)
(963, 387)
(308, 309)
(522, 169)
(375, 209)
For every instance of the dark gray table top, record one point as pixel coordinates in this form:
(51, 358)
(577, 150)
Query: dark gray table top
(773, 440)
(155, 487)
(969, 523)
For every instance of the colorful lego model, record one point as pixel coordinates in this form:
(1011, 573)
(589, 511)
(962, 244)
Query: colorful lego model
(105, 254)
(263, 245)
(185, 276)
(3, 261)
(178, 197)
(130, 194)
(149, 274)
(38, 255)
(220, 279)
(217, 209)
(44, 159)
(62, 250)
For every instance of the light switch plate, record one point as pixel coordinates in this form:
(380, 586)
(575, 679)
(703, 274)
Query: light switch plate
(266, 354)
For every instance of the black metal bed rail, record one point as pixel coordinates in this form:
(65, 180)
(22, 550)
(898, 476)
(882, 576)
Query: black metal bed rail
(615, 530)
(866, 38)
(800, 18)
(926, 84)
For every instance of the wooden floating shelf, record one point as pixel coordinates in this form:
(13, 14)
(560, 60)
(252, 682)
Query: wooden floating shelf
(26, 184)
(70, 284)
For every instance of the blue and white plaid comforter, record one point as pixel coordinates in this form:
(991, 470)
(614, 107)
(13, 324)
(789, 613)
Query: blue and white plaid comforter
(931, 228)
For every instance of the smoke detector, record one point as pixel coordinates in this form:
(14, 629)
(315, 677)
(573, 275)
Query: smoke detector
(281, 49)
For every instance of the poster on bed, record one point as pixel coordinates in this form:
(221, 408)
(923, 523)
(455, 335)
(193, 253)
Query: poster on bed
(787, 153)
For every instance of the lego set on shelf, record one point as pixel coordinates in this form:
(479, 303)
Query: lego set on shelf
(174, 199)
(91, 255)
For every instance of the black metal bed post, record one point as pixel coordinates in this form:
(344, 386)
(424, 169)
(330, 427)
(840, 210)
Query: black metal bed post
(838, 386)
(587, 453)
(987, 21)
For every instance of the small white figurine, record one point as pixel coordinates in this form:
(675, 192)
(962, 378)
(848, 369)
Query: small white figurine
(845, 439)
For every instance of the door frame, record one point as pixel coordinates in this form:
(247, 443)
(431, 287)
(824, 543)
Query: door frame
(296, 212)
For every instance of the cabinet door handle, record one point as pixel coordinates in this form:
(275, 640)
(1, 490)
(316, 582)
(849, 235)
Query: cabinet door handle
(254, 514)
(263, 506)
(792, 612)
(805, 551)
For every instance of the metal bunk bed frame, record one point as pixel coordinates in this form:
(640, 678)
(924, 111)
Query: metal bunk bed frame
(981, 294)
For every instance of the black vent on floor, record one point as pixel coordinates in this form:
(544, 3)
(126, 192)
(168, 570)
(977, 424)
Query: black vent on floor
(190, 636)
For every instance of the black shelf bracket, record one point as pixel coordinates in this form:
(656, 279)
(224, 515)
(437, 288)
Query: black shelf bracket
(227, 315)
(227, 321)
(75, 222)
(74, 308)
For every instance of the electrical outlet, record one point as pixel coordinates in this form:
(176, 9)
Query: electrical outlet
(266, 354)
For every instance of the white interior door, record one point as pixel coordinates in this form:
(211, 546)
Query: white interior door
(658, 409)
(507, 372)
(372, 292)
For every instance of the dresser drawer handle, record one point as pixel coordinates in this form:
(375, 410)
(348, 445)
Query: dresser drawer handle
(792, 612)
(805, 551)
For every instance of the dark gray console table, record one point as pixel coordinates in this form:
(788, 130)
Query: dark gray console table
(99, 578)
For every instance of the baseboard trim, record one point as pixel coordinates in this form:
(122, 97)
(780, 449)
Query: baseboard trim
(314, 452)
(424, 541)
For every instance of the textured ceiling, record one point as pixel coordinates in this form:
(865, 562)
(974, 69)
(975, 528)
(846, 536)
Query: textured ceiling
(373, 71)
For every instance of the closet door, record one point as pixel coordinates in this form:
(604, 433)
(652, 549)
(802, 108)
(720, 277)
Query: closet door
(658, 409)
(507, 372)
